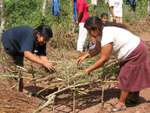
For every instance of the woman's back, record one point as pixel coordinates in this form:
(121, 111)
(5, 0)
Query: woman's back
(124, 41)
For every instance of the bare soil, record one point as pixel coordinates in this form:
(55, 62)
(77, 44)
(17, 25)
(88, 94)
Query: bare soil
(18, 102)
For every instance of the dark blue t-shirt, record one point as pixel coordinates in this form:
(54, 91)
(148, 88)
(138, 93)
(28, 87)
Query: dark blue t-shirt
(18, 39)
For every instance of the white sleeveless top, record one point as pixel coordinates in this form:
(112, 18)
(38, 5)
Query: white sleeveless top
(124, 42)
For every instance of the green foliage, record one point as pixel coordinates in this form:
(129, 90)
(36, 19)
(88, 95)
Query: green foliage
(0, 60)
(111, 70)
(141, 10)
(23, 12)
(29, 12)
(64, 19)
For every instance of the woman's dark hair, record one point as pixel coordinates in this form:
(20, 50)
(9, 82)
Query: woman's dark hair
(44, 31)
(104, 14)
(95, 22)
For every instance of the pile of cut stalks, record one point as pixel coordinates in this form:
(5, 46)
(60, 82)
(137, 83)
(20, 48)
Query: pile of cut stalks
(67, 76)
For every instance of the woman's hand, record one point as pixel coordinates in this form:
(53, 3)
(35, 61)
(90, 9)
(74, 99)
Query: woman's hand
(49, 66)
(82, 58)
(86, 71)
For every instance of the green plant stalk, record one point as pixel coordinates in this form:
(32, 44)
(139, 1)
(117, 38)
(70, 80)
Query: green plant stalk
(46, 104)
(15, 76)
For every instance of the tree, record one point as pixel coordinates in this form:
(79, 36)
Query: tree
(96, 8)
(3, 17)
(148, 7)
(72, 14)
(44, 8)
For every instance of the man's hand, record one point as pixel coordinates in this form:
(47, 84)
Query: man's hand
(114, 19)
(76, 23)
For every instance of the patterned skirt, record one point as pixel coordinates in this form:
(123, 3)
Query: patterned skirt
(135, 70)
(10, 63)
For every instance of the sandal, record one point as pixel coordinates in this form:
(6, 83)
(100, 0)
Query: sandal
(118, 109)
(136, 102)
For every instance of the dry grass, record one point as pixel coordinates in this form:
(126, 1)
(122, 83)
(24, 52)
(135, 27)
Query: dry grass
(64, 40)
(138, 27)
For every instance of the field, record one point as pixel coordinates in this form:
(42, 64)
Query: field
(89, 100)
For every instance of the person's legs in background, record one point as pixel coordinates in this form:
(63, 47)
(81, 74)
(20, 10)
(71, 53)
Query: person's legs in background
(82, 37)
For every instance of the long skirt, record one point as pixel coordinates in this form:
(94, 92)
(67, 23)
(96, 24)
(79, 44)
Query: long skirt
(135, 70)
(10, 64)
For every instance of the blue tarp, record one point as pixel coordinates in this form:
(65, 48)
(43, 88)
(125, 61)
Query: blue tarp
(55, 7)
(75, 10)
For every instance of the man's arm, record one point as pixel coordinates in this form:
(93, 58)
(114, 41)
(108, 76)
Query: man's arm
(113, 14)
(79, 17)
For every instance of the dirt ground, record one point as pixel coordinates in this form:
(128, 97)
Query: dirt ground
(18, 102)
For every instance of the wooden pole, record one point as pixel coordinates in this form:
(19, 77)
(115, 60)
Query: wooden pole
(102, 99)
(35, 88)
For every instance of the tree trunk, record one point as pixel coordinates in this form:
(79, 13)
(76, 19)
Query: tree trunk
(44, 8)
(3, 17)
(148, 7)
(72, 15)
(96, 9)
(3, 22)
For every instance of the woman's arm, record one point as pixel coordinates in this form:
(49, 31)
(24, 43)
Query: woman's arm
(96, 50)
(92, 53)
(42, 60)
(33, 58)
(105, 54)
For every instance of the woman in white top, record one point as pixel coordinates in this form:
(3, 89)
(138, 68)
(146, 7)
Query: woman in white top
(116, 10)
(128, 49)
